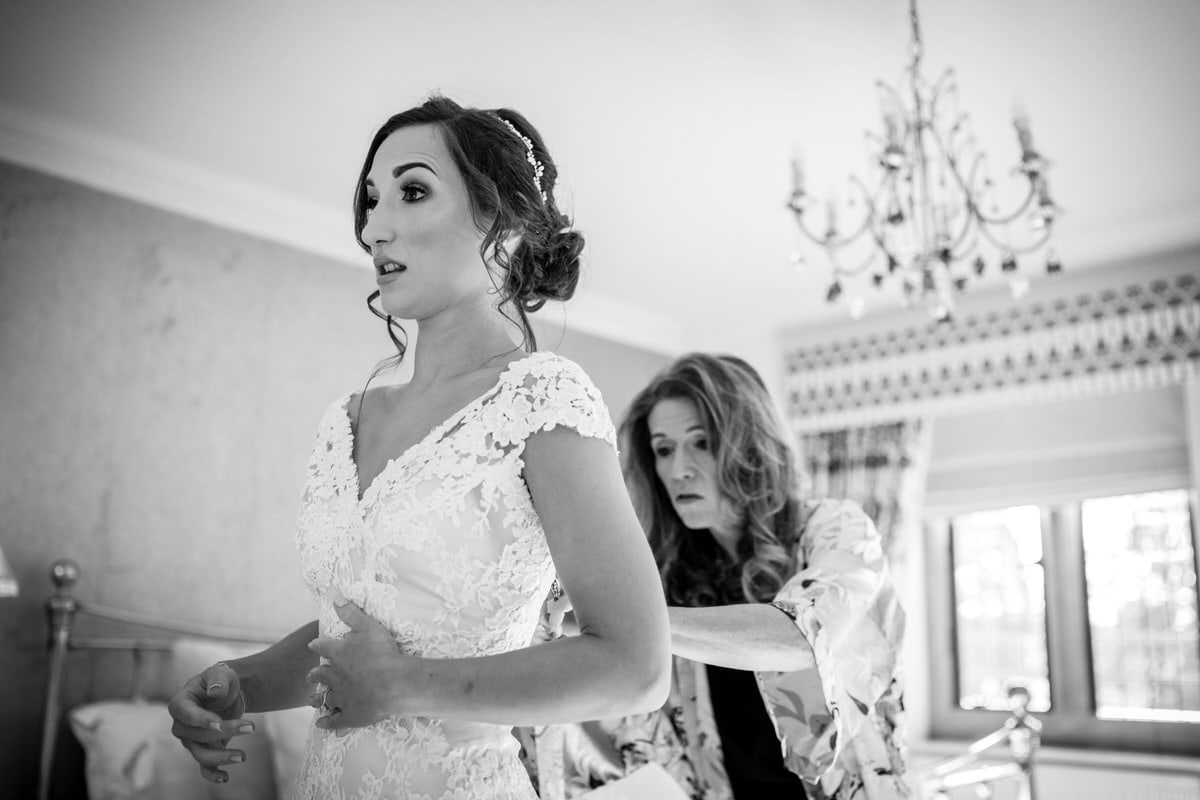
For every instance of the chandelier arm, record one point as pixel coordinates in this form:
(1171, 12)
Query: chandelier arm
(969, 212)
(967, 226)
(1004, 219)
(971, 247)
(952, 142)
(1020, 249)
(853, 272)
(837, 243)
(1036, 245)
(817, 240)
(939, 91)
(870, 216)
(896, 98)
(973, 204)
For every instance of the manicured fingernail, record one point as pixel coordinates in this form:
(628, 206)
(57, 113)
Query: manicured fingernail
(216, 726)
(237, 758)
(246, 727)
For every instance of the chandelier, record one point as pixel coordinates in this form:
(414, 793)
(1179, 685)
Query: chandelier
(932, 222)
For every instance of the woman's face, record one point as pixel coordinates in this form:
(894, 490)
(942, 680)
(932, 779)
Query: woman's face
(684, 461)
(420, 228)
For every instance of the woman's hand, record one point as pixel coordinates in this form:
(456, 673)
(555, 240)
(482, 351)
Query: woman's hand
(355, 683)
(207, 713)
(553, 619)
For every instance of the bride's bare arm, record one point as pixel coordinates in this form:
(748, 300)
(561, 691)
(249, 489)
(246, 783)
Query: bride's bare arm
(275, 678)
(618, 664)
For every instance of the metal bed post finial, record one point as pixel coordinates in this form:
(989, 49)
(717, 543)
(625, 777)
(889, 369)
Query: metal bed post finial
(1024, 738)
(1021, 734)
(61, 609)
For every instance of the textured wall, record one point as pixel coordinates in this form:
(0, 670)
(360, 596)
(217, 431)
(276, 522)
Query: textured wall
(160, 383)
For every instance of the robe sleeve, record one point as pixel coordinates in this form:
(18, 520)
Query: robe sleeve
(844, 604)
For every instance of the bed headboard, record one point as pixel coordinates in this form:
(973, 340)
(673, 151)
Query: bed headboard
(66, 615)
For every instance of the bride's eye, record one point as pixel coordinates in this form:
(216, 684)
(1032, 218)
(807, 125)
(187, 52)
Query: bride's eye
(412, 192)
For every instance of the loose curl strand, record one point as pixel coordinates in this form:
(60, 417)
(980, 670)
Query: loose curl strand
(755, 471)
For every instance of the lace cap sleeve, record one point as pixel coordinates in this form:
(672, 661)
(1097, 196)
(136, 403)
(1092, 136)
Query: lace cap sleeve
(550, 391)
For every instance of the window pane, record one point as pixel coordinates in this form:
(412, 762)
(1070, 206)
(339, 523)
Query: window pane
(1000, 598)
(1141, 589)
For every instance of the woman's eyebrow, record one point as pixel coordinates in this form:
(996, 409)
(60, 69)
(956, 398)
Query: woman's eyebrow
(403, 168)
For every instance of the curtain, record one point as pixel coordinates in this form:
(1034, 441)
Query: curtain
(880, 467)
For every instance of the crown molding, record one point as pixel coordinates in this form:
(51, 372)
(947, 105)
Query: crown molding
(101, 162)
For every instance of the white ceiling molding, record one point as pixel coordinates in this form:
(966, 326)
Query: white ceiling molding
(101, 162)
(104, 163)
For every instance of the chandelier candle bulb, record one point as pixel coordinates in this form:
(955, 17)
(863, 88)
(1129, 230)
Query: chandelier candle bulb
(1024, 136)
(797, 176)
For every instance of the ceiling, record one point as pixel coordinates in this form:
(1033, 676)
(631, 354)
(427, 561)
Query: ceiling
(673, 122)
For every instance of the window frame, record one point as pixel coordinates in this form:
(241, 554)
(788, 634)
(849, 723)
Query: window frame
(1071, 720)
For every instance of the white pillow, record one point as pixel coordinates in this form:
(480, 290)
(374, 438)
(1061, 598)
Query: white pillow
(131, 755)
(288, 730)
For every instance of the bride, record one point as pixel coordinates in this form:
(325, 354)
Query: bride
(437, 514)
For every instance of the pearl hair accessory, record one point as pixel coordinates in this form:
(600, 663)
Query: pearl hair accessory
(538, 169)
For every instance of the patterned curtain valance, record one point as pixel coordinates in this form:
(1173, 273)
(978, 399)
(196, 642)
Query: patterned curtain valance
(1141, 337)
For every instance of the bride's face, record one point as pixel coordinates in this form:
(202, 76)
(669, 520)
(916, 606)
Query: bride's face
(420, 227)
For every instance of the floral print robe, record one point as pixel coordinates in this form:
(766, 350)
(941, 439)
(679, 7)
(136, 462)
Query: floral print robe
(839, 725)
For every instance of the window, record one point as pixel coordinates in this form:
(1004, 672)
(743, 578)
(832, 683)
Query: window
(1092, 605)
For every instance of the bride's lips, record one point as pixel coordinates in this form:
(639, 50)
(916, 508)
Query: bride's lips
(387, 270)
(687, 498)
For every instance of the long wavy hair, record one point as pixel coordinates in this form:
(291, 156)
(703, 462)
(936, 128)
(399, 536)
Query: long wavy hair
(755, 471)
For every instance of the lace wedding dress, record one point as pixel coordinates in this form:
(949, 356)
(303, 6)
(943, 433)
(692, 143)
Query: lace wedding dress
(445, 549)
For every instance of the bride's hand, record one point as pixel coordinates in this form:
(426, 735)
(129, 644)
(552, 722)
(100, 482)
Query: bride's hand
(206, 713)
(354, 683)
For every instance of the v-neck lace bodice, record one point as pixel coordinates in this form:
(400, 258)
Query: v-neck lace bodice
(431, 438)
(445, 549)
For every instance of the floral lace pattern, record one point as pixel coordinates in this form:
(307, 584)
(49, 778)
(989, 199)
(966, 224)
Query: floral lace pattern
(445, 549)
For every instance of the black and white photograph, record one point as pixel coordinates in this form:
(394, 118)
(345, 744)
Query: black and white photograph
(659, 400)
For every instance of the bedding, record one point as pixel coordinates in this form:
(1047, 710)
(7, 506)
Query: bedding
(130, 753)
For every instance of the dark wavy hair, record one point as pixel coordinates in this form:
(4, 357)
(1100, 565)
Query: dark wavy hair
(755, 471)
(504, 200)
